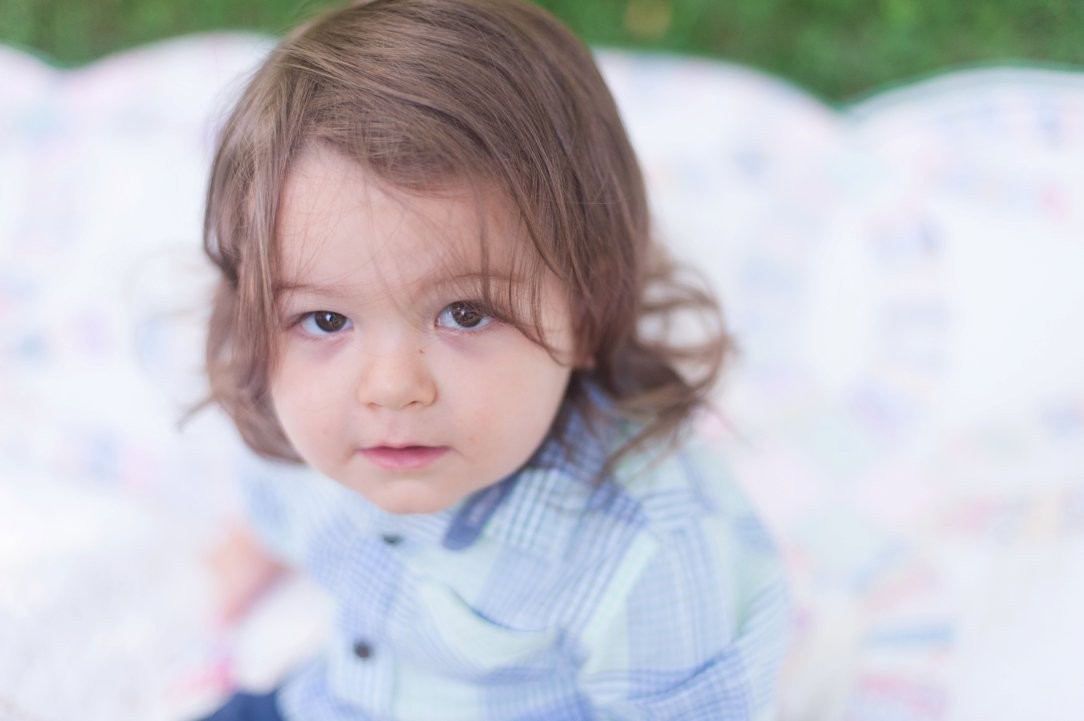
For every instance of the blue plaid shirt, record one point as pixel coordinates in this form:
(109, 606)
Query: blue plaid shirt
(653, 595)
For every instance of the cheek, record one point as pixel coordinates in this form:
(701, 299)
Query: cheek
(298, 396)
(508, 388)
(475, 385)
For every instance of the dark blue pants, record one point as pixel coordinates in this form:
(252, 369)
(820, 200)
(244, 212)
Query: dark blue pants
(246, 707)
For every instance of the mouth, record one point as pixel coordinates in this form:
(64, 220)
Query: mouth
(403, 458)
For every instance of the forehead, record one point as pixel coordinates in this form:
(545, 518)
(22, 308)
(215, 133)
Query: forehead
(337, 220)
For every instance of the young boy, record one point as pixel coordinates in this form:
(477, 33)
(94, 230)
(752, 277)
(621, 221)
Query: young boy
(438, 285)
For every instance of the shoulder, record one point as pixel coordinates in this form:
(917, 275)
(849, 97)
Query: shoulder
(695, 612)
(664, 489)
(291, 506)
(688, 536)
(673, 486)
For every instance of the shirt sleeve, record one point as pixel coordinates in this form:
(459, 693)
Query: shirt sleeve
(695, 628)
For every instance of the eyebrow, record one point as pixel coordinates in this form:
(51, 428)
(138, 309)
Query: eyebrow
(435, 281)
(281, 288)
(475, 277)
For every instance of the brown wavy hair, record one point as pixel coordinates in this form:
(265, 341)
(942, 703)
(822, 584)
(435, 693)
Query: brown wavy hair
(494, 94)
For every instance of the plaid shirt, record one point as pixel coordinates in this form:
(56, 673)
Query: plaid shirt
(549, 596)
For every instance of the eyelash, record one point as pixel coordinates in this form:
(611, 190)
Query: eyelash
(485, 317)
(307, 321)
(303, 322)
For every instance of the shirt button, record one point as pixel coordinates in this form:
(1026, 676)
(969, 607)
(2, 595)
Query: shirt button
(391, 539)
(363, 650)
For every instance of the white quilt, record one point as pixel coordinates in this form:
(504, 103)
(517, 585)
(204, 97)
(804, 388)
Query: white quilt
(905, 275)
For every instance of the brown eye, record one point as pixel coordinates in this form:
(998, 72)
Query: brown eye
(463, 314)
(324, 322)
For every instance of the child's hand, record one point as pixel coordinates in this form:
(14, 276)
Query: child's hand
(241, 571)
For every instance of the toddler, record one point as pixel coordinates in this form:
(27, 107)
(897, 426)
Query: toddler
(442, 320)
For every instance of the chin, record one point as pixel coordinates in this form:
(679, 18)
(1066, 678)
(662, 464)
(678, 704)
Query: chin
(411, 509)
(404, 504)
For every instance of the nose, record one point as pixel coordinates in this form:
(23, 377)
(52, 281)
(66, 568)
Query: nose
(396, 377)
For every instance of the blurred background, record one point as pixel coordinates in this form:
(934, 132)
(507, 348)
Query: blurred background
(838, 49)
(903, 273)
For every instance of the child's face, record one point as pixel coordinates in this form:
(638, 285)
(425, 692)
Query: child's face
(389, 379)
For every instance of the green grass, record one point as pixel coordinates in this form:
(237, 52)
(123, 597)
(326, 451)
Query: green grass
(836, 48)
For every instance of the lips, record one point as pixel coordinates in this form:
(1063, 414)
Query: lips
(403, 458)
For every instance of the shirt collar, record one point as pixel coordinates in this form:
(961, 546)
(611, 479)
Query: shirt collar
(535, 510)
(538, 509)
